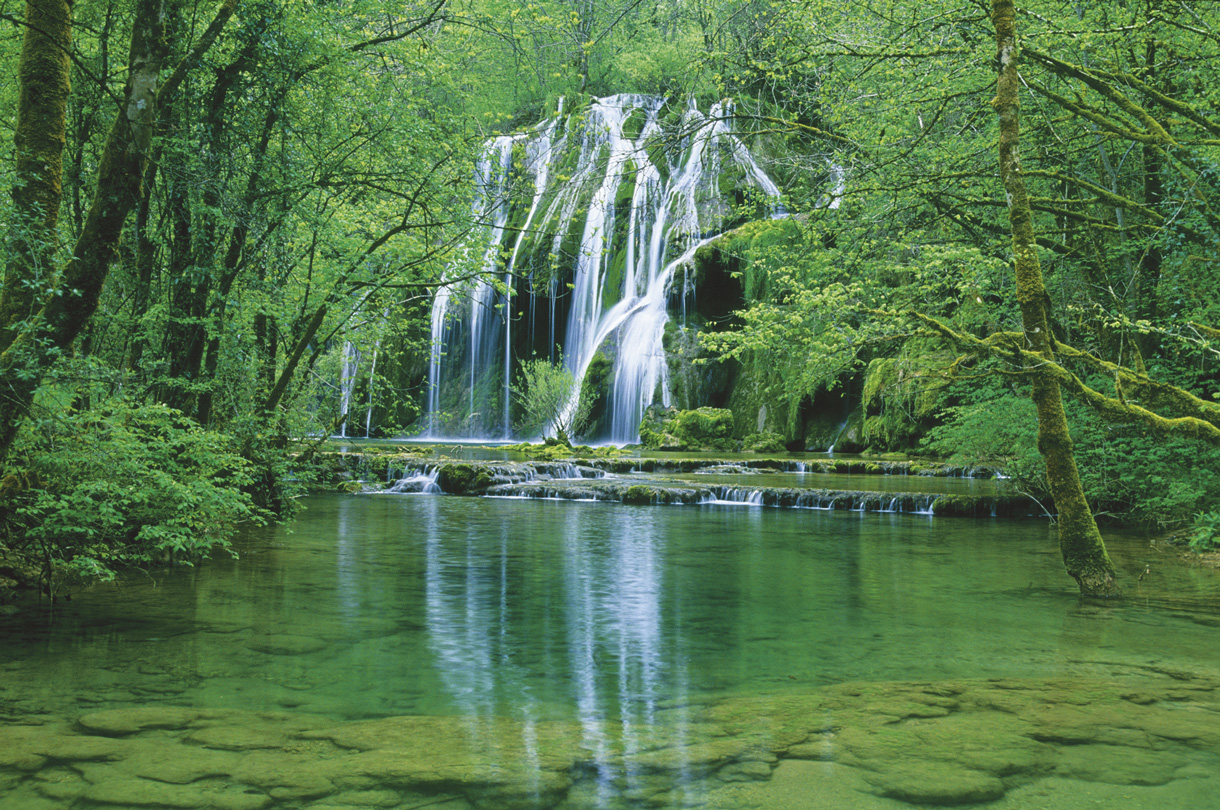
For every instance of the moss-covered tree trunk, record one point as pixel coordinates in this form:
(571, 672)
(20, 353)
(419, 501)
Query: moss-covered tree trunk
(1084, 552)
(44, 79)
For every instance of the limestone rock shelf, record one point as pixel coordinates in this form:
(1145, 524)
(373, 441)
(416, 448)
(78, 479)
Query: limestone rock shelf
(861, 486)
(1004, 742)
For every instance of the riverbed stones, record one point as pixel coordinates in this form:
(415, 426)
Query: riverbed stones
(889, 744)
(239, 738)
(286, 644)
(935, 783)
(140, 793)
(121, 722)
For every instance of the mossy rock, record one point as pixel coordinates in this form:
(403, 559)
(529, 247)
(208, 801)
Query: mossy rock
(639, 494)
(699, 429)
(595, 394)
(765, 442)
(463, 479)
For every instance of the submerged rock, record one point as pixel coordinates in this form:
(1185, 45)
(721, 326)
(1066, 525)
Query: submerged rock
(286, 644)
(121, 722)
(927, 744)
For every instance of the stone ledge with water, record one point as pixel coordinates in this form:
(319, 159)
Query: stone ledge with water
(821, 484)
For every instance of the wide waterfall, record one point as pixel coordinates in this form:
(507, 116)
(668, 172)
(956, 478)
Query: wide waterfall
(586, 217)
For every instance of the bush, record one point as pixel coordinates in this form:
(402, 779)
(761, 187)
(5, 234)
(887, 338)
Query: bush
(1206, 534)
(765, 442)
(543, 392)
(90, 494)
(1127, 475)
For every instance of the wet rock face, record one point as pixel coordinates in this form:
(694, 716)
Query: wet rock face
(859, 745)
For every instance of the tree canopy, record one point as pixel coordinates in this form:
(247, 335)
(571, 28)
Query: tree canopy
(215, 209)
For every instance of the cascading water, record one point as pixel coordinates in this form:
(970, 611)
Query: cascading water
(347, 384)
(475, 329)
(624, 193)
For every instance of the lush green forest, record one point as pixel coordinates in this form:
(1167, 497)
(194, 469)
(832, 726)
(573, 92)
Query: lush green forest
(209, 205)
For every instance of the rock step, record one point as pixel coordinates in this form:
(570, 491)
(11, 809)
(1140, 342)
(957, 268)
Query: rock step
(617, 491)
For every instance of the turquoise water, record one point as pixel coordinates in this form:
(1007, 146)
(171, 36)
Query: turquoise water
(616, 624)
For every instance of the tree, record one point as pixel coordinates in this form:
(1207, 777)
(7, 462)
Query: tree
(1115, 201)
(1084, 552)
(38, 337)
(547, 395)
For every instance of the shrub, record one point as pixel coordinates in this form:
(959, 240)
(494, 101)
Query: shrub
(1206, 534)
(90, 494)
(1128, 475)
(700, 429)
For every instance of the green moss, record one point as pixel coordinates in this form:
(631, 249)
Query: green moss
(654, 148)
(880, 376)
(633, 124)
(901, 393)
(463, 479)
(752, 250)
(695, 430)
(595, 393)
(639, 494)
(765, 442)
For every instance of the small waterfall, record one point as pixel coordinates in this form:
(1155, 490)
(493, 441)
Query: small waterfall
(838, 179)
(347, 384)
(634, 201)
(734, 496)
(475, 328)
(419, 481)
(835, 440)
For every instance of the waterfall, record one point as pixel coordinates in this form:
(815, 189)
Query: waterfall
(475, 328)
(624, 192)
(348, 376)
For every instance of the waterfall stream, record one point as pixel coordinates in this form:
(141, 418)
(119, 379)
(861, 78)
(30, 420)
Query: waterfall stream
(595, 211)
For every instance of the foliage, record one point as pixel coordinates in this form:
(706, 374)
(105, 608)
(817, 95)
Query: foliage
(765, 442)
(1206, 532)
(697, 429)
(1125, 473)
(544, 393)
(95, 493)
(829, 310)
(595, 395)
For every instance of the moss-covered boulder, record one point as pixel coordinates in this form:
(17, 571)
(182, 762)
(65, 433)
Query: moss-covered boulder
(901, 394)
(765, 442)
(595, 396)
(639, 495)
(463, 479)
(699, 429)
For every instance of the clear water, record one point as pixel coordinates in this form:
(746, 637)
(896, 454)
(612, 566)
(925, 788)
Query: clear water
(621, 623)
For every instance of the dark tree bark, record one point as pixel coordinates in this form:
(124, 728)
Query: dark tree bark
(1080, 542)
(44, 76)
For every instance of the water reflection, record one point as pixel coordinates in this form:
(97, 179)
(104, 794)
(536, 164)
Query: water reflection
(540, 634)
(601, 617)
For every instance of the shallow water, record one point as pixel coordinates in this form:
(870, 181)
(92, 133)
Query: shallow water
(619, 632)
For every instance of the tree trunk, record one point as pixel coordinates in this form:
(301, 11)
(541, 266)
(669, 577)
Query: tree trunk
(44, 75)
(145, 265)
(1084, 552)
